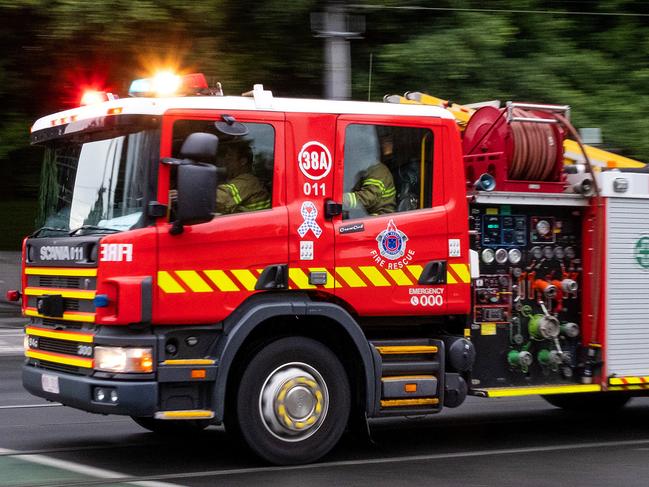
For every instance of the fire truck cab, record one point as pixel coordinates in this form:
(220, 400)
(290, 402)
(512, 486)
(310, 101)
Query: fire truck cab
(289, 267)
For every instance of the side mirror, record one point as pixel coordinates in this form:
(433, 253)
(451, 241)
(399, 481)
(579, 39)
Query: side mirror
(196, 201)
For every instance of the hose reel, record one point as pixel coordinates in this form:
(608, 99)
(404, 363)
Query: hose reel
(519, 144)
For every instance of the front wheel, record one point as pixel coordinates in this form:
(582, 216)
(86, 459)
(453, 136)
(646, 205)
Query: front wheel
(293, 401)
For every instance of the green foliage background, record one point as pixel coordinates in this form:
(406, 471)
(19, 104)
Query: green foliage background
(597, 63)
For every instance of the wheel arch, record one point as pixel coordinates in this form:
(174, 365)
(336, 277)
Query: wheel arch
(261, 320)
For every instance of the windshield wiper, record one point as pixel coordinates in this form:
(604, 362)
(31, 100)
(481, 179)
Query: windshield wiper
(48, 229)
(94, 227)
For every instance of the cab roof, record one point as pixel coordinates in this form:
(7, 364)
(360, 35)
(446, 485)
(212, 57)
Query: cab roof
(159, 106)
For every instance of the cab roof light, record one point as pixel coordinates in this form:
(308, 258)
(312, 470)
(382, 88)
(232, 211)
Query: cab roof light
(93, 97)
(166, 83)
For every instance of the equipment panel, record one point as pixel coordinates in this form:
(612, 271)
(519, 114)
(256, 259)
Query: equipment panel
(527, 300)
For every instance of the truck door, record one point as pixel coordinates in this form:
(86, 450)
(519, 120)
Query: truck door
(392, 244)
(206, 271)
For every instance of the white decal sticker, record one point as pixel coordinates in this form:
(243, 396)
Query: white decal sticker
(306, 250)
(116, 253)
(309, 212)
(315, 189)
(427, 296)
(61, 252)
(314, 160)
(454, 247)
(392, 246)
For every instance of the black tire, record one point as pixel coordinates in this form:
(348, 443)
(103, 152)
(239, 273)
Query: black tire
(172, 427)
(280, 366)
(590, 402)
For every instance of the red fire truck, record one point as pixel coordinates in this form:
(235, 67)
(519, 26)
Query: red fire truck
(289, 267)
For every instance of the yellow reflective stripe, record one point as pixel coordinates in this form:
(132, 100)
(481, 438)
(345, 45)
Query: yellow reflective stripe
(331, 282)
(221, 280)
(348, 275)
(638, 387)
(66, 293)
(529, 391)
(462, 271)
(399, 277)
(391, 403)
(168, 284)
(374, 182)
(299, 278)
(352, 200)
(195, 282)
(189, 361)
(261, 205)
(246, 278)
(189, 414)
(86, 363)
(450, 279)
(389, 192)
(67, 316)
(415, 270)
(375, 276)
(234, 192)
(622, 381)
(60, 335)
(53, 271)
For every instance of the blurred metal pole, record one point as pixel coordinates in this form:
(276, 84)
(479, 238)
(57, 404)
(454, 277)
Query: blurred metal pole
(337, 28)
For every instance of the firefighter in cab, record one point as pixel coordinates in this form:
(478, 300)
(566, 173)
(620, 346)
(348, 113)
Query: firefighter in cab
(242, 191)
(371, 185)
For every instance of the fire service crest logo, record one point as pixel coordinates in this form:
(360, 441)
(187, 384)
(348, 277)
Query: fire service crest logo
(392, 242)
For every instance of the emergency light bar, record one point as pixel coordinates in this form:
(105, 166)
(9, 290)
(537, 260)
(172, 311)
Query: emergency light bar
(92, 97)
(169, 84)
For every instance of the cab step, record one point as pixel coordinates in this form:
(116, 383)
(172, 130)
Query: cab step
(185, 414)
(412, 375)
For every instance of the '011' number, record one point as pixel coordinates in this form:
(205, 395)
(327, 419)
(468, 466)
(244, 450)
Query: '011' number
(315, 189)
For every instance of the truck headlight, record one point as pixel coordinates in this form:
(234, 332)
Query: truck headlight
(121, 359)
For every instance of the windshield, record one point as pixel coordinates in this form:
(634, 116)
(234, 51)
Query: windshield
(98, 184)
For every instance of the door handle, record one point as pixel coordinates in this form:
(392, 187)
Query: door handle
(273, 277)
(331, 209)
(433, 273)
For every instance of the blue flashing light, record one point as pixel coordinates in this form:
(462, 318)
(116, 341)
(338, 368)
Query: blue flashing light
(140, 87)
(101, 300)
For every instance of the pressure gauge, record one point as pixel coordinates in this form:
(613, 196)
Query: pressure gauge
(543, 227)
(548, 253)
(559, 253)
(488, 256)
(570, 252)
(501, 256)
(515, 256)
(537, 253)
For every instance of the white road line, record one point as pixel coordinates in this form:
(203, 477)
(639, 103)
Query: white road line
(25, 406)
(412, 458)
(82, 469)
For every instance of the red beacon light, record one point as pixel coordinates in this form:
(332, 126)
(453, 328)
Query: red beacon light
(13, 295)
(93, 97)
(165, 83)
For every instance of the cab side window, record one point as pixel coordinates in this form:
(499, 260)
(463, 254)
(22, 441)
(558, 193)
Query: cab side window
(244, 162)
(388, 169)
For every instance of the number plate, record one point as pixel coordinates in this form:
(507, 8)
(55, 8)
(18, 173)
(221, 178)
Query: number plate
(50, 383)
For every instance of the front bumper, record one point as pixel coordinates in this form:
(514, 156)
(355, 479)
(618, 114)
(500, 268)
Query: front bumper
(136, 398)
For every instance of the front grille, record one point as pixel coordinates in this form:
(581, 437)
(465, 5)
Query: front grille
(62, 282)
(70, 304)
(70, 369)
(61, 324)
(57, 346)
(65, 282)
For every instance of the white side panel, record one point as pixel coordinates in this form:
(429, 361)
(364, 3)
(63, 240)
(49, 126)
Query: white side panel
(627, 286)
